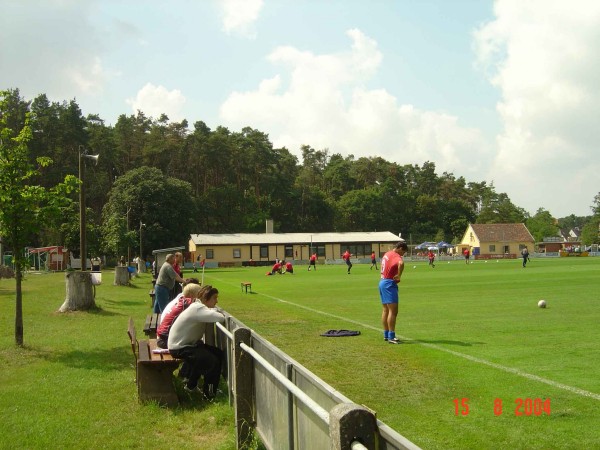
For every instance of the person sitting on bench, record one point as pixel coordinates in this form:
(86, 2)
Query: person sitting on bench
(191, 292)
(185, 341)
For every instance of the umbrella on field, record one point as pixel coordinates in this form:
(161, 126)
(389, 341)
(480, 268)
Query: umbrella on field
(425, 246)
(443, 244)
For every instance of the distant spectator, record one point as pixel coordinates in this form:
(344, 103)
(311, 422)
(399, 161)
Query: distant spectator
(167, 277)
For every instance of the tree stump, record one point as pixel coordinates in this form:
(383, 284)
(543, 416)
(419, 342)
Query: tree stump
(121, 276)
(80, 293)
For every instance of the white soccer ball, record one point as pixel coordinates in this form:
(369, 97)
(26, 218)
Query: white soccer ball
(414, 267)
(542, 303)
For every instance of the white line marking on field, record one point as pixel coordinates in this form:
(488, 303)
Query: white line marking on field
(518, 372)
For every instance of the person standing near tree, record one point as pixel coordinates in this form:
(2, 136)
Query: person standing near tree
(466, 254)
(164, 283)
(346, 256)
(392, 266)
(178, 267)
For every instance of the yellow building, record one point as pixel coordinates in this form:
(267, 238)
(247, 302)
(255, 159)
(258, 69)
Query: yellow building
(237, 249)
(496, 240)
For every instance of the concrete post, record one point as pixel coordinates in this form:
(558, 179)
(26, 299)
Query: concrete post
(349, 422)
(244, 399)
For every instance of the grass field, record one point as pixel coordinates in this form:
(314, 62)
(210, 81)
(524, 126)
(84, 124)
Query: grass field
(472, 332)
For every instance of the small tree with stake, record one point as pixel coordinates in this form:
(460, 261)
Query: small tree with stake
(24, 207)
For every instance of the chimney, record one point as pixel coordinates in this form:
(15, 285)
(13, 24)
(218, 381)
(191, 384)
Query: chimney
(269, 227)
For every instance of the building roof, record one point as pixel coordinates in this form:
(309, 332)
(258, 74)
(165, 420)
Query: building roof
(292, 238)
(502, 232)
(168, 250)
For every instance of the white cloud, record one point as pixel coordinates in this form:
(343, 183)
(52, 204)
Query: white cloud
(89, 77)
(544, 57)
(239, 16)
(323, 102)
(156, 100)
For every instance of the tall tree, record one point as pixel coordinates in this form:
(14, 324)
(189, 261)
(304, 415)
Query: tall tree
(165, 205)
(23, 206)
(542, 225)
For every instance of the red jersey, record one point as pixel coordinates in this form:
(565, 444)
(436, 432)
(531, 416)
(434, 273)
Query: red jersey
(288, 266)
(313, 257)
(346, 255)
(389, 265)
(276, 267)
(167, 321)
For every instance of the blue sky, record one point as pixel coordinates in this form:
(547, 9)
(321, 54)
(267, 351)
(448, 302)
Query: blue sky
(501, 91)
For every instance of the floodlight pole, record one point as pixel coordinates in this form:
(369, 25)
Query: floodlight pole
(82, 231)
(82, 210)
(141, 253)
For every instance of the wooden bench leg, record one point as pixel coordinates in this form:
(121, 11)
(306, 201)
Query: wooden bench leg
(155, 382)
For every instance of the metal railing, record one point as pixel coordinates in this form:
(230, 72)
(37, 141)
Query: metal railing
(288, 406)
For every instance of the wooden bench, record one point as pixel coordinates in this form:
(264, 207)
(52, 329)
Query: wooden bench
(246, 284)
(151, 293)
(153, 371)
(151, 325)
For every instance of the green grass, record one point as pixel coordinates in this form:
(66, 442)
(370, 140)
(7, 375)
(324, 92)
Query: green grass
(72, 385)
(472, 332)
(456, 319)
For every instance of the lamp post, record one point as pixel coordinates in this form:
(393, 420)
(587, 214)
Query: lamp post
(82, 155)
(141, 253)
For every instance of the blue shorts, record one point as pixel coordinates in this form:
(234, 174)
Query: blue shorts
(388, 291)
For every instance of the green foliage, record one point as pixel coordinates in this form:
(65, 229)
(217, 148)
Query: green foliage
(497, 208)
(590, 233)
(542, 225)
(24, 205)
(237, 180)
(74, 381)
(145, 195)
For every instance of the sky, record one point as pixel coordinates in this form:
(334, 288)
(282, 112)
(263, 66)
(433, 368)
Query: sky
(504, 91)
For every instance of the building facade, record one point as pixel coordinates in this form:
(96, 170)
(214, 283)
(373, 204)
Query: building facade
(496, 240)
(263, 248)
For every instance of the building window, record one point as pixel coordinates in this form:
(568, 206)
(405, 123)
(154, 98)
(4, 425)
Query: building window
(237, 253)
(357, 249)
(289, 251)
(492, 248)
(264, 251)
(210, 253)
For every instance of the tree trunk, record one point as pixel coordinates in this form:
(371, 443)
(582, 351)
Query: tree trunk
(141, 266)
(80, 295)
(121, 276)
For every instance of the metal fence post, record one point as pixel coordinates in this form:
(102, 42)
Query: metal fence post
(349, 422)
(244, 400)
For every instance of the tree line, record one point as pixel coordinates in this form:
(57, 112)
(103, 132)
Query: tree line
(159, 181)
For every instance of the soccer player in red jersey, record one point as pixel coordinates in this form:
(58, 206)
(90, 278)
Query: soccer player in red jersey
(392, 266)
